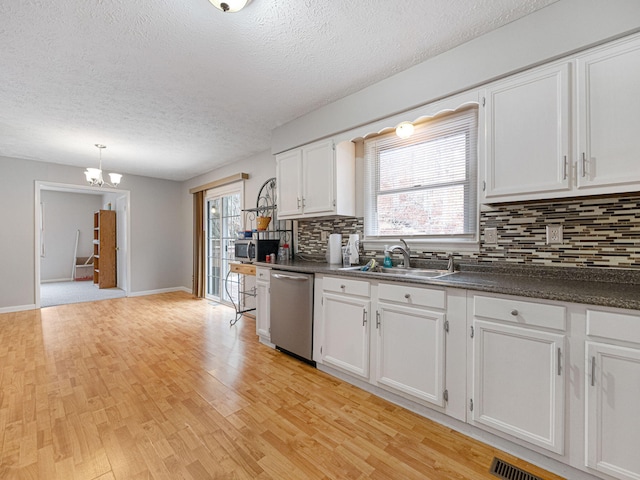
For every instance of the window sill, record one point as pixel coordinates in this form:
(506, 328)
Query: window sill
(423, 245)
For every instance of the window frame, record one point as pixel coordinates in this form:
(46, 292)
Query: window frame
(457, 242)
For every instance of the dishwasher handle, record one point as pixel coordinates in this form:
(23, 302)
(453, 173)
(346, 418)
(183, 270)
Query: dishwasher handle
(290, 277)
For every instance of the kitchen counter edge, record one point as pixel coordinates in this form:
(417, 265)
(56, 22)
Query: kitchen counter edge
(552, 286)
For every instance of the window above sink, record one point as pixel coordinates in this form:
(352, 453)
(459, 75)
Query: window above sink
(424, 188)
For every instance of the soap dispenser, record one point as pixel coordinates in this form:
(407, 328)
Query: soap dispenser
(387, 263)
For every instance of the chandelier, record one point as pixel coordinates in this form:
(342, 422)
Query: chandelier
(230, 5)
(94, 175)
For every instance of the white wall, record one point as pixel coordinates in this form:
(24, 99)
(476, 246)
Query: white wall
(156, 229)
(557, 30)
(64, 214)
(260, 168)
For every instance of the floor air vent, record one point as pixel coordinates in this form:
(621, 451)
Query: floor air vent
(506, 471)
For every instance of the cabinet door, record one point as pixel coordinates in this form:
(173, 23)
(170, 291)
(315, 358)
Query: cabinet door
(411, 351)
(318, 178)
(289, 183)
(528, 135)
(608, 82)
(518, 384)
(613, 424)
(346, 333)
(262, 309)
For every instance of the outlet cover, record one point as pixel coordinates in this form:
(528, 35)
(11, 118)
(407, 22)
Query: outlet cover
(323, 236)
(554, 234)
(491, 236)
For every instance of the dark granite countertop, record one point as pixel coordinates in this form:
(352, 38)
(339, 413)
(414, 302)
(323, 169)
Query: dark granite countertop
(593, 286)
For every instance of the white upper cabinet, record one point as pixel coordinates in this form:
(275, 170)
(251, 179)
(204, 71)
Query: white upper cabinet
(552, 134)
(528, 135)
(289, 183)
(316, 180)
(608, 106)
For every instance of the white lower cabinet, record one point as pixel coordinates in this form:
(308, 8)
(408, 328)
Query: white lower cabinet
(612, 393)
(263, 322)
(518, 379)
(345, 330)
(562, 380)
(400, 331)
(346, 333)
(410, 341)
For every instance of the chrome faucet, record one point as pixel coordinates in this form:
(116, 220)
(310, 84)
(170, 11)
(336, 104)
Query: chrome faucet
(450, 266)
(406, 252)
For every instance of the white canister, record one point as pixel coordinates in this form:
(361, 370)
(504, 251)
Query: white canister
(335, 248)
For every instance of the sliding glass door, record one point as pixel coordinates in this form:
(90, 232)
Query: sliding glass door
(223, 209)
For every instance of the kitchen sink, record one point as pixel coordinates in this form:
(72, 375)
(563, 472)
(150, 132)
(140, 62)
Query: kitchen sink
(406, 272)
(416, 272)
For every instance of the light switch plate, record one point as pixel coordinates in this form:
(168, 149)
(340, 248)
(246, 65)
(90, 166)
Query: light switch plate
(554, 234)
(323, 236)
(491, 236)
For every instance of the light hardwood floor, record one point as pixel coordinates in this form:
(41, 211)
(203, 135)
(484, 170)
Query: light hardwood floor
(161, 387)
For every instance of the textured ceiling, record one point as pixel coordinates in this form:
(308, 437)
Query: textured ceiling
(175, 88)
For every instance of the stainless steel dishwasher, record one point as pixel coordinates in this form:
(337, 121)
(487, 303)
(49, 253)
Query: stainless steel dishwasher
(291, 313)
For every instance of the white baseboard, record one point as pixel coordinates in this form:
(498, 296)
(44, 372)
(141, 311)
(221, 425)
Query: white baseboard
(53, 280)
(160, 290)
(17, 308)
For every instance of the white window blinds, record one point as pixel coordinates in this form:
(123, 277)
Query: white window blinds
(424, 186)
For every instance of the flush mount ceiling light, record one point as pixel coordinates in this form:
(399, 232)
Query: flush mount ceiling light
(94, 175)
(405, 129)
(230, 6)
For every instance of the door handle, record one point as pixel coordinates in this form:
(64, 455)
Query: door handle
(290, 277)
(364, 317)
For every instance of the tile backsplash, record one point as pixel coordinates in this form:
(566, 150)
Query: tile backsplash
(597, 232)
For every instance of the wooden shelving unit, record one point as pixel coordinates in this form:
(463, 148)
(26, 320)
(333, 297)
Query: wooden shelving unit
(104, 249)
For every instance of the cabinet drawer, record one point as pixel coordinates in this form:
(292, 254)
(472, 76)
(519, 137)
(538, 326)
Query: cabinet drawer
(346, 285)
(262, 274)
(407, 295)
(615, 326)
(520, 312)
(243, 268)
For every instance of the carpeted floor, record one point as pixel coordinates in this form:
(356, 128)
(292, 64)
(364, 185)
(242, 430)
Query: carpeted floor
(62, 293)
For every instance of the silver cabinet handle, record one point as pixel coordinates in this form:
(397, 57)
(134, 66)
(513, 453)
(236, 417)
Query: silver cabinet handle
(364, 317)
(564, 168)
(377, 319)
(559, 360)
(298, 202)
(593, 371)
(514, 312)
(303, 205)
(584, 164)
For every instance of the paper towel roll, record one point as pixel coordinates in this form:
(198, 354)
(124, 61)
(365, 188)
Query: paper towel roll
(335, 248)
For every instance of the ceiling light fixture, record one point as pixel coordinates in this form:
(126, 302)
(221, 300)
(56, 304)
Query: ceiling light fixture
(94, 175)
(230, 6)
(405, 129)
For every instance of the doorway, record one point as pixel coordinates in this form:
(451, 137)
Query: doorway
(223, 219)
(64, 287)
